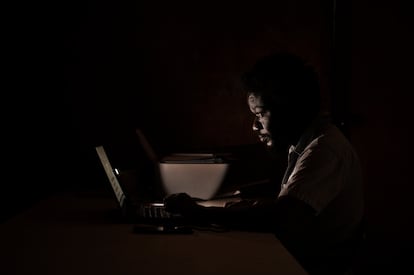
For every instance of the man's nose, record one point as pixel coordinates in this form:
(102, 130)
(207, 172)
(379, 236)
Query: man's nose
(257, 125)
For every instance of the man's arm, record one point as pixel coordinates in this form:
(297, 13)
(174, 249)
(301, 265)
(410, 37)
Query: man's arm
(284, 215)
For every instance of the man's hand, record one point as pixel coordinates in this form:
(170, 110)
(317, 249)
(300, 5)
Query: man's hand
(181, 203)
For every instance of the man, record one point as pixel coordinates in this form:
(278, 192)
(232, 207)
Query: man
(318, 212)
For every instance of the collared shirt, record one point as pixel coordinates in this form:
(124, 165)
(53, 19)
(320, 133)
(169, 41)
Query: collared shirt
(324, 172)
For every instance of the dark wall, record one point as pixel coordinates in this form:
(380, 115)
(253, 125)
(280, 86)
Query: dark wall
(380, 100)
(174, 68)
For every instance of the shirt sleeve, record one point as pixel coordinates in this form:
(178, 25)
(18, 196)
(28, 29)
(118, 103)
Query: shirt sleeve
(316, 178)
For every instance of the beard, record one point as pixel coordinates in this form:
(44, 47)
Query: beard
(278, 147)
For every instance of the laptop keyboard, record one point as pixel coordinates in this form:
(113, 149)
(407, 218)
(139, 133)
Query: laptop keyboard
(154, 212)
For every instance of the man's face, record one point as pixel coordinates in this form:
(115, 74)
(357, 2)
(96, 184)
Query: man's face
(262, 119)
(272, 127)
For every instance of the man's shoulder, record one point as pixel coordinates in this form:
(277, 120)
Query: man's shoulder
(331, 139)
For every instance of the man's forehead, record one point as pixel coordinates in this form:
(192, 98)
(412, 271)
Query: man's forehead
(255, 100)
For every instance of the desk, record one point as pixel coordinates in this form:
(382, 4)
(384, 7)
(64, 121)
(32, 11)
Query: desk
(67, 234)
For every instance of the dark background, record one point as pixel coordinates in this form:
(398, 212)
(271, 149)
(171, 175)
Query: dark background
(81, 73)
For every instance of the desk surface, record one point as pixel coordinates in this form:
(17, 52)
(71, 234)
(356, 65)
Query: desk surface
(68, 234)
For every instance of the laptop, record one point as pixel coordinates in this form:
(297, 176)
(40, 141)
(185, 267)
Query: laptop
(133, 206)
(146, 212)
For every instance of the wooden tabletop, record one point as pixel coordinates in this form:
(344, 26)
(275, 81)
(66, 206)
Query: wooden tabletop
(78, 234)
